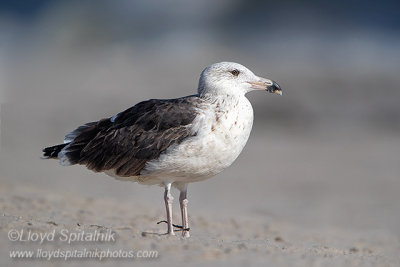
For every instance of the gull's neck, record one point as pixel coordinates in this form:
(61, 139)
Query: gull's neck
(226, 102)
(212, 97)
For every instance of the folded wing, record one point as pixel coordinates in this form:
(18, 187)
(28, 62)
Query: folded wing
(125, 142)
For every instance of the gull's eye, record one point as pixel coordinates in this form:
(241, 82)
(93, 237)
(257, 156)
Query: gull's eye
(235, 72)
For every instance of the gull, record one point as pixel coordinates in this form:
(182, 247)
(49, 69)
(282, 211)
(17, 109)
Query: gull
(171, 142)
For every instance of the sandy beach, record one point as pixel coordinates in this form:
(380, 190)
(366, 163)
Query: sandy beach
(263, 220)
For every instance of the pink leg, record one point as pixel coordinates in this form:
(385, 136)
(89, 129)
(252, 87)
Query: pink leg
(168, 205)
(185, 221)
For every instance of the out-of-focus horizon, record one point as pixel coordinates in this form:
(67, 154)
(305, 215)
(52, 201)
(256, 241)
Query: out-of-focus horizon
(334, 131)
(337, 62)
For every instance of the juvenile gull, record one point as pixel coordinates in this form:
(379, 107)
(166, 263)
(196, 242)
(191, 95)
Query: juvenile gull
(171, 142)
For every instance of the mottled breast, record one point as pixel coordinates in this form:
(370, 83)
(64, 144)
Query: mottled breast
(222, 129)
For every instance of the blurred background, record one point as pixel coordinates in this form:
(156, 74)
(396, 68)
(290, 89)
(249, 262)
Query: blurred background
(325, 154)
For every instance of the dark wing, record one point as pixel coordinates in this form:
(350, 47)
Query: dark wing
(128, 140)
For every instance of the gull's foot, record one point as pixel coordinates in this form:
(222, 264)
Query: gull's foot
(185, 231)
(185, 234)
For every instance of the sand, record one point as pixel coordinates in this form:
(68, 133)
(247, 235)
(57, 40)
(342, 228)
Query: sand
(226, 241)
(252, 220)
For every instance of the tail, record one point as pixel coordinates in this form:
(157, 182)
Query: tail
(52, 151)
(69, 153)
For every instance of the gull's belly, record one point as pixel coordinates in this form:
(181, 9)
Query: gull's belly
(220, 139)
(221, 146)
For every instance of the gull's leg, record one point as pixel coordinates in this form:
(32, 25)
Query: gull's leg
(168, 205)
(185, 221)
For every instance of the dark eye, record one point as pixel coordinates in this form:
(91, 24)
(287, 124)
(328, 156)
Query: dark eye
(235, 72)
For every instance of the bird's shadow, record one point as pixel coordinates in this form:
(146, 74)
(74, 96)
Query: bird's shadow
(145, 234)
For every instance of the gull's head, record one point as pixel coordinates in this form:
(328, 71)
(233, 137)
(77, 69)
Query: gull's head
(229, 78)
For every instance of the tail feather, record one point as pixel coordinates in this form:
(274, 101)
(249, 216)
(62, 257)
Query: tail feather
(69, 153)
(52, 151)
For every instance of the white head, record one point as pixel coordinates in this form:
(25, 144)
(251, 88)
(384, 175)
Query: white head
(229, 78)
